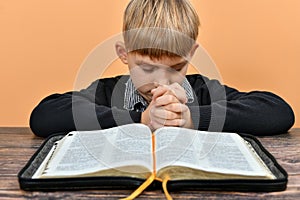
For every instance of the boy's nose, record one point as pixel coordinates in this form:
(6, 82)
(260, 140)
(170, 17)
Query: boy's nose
(163, 78)
(164, 82)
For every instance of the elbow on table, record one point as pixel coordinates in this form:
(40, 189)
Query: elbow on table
(280, 120)
(271, 121)
(38, 123)
(45, 121)
(288, 119)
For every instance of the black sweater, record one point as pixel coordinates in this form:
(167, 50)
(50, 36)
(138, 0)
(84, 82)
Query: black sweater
(216, 108)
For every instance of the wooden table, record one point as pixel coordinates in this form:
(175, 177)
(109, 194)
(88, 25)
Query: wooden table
(18, 144)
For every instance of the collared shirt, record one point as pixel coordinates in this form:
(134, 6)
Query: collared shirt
(134, 101)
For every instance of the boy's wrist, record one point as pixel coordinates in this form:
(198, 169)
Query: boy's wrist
(189, 124)
(145, 118)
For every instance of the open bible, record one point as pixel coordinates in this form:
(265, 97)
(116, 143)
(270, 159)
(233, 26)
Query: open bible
(132, 153)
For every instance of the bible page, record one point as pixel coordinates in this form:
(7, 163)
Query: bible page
(209, 151)
(84, 152)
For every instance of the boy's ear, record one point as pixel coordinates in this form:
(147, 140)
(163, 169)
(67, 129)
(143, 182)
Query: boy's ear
(121, 52)
(193, 50)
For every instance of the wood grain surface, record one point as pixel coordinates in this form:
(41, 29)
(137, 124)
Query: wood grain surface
(17, 145)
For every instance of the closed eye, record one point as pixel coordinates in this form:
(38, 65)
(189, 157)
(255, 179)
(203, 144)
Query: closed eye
(179, 66)
(177, 69)
(148, 69)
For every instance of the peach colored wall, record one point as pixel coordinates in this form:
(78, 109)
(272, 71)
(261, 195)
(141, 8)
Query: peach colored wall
(255, 44)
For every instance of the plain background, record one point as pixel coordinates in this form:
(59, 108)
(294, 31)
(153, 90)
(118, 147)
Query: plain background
(255, 45)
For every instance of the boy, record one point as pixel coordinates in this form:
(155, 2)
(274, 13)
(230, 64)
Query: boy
(159, 38)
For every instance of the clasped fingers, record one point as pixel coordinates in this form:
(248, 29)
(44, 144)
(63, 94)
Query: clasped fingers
(174, 89)
(165, 100)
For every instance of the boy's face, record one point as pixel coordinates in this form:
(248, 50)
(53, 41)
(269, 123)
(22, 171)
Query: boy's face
(148, 74)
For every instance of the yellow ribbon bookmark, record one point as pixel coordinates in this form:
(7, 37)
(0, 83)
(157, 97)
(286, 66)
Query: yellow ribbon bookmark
(149, 180)
(142, 187)
(164, 185)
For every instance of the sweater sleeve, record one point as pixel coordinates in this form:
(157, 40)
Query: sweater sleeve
(88, 109)
(222, 108)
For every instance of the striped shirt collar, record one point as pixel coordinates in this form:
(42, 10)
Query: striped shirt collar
(134, 101)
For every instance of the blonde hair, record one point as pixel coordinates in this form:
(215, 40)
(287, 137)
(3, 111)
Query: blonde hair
(158, 28)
